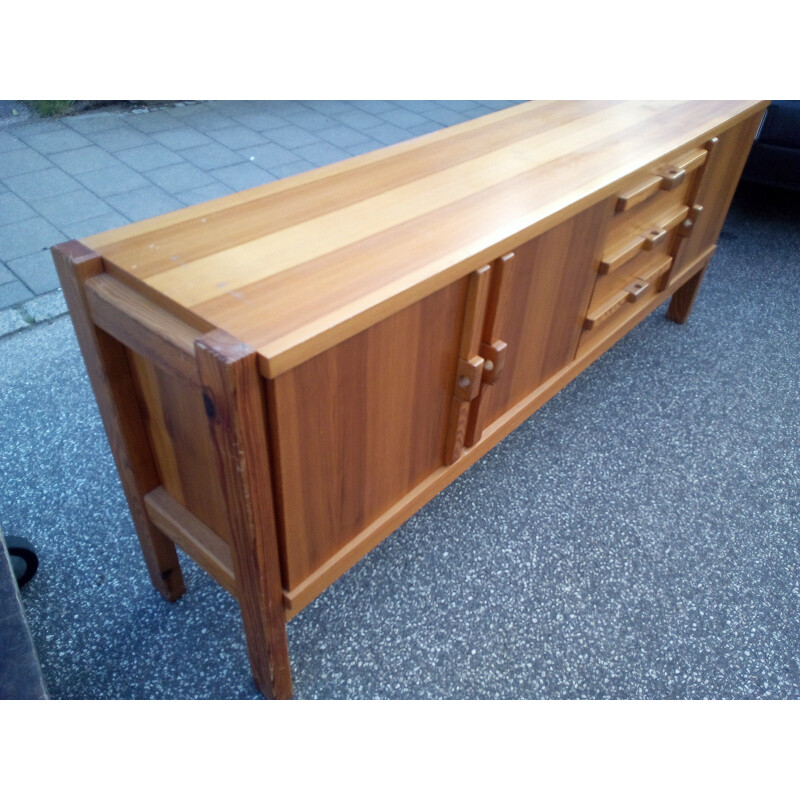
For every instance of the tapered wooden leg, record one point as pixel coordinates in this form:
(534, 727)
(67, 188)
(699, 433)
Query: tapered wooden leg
(234, 400)
(109, 373)
(682, 301)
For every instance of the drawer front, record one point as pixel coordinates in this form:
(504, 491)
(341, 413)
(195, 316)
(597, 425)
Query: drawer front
(672, 178)
(624, 297)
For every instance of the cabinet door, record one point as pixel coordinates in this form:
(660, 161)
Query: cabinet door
(356, 428)
(535, 312)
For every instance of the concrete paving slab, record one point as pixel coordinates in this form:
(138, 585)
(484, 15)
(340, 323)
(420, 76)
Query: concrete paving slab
(179, 177)
(238, 136)
(201, 194)
(89, 227)
(113, 178)
(21, 161)
(121, 138)
(321, 154)
(26, 237)
(13, 292)
(149, 156)
(13, 209)
(57, 141)
(242, 176)
(71, 207)
(143, 203)
(181, 138)
(48, 182)
(84, 159)
(211, 156)
(344, 136)
(36, 271)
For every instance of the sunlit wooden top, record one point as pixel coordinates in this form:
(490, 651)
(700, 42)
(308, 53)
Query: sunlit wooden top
(297, 265)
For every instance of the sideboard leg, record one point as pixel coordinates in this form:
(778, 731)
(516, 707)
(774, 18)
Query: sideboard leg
(109, 373)
(234, 400)
(682, 301)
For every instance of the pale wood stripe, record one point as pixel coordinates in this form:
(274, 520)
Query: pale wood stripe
(239, 266)
(104, 242)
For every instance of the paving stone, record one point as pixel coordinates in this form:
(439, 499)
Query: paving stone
(181, 138)
(11, 320)
(118, 139)
(36, 271)
(237, 136)
(93, 123)
(373, 106)
(291, 136)
(321, 154)
(70, 207)
(58, 141)
(458, 105)
(269, 155)
(331, 107)
(144, 203)
(427, 127)
(389, 134)
(416, 105)
(285, 170)
(242, 176)
(211, 156)
(474, 113)
(179, 177)
(310, 120)
(113, 180)
(84, 159)
(403, 118)
(47, 307)
(13, 293)
(89, 227)
(201, 194)
(28, 131)
(210, 121)
(44, 183)
(359, 119)
(364, 147)
(26, 237)
(182, 110)
(259, 120)
(446, 116)
(342, 136)
(13, 209)
(21, 161)
(9, 143)
(154, 122)
(6, 274)
(149, 156)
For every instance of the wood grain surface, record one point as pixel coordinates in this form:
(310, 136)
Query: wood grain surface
(298, 266)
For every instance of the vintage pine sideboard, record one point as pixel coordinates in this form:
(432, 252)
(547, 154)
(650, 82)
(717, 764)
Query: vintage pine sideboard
(289, 373)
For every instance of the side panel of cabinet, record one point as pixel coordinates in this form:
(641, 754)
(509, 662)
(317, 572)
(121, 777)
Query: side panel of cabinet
(356, 428)
(546, 289)
(715, 192)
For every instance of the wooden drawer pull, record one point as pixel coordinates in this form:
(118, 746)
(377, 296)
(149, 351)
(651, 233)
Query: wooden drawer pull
(653, 237)
(630, 294)
(671, 177)
(635, 289)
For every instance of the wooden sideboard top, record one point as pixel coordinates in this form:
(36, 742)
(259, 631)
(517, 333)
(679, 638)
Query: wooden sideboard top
(296, 266)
